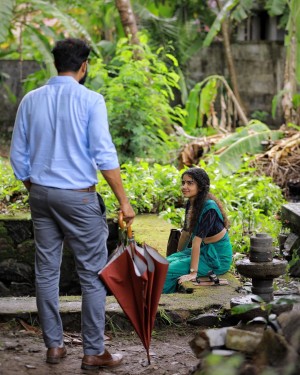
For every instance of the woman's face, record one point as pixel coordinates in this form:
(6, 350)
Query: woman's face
(189, 186)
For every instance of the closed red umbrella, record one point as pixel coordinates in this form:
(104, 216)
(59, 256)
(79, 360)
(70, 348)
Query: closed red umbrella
(135, 275)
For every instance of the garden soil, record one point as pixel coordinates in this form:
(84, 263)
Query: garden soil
(23, 352)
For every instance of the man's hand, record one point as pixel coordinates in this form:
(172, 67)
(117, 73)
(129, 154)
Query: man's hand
(27, 184)
(128, 213)
(113, 178)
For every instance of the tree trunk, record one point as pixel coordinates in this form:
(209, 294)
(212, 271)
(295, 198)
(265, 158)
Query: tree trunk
(290, 80)
(229, 60)
(289, 87)
(128, 20)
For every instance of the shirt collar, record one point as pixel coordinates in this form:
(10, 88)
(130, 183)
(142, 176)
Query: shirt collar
(61, 79)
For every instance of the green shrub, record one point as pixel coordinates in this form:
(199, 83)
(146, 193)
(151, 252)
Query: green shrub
(252, 201)
(13, 194)
(138, 92)
(150, 189)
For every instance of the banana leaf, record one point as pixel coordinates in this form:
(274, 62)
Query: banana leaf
(252, 127)
(230, 160)
(192, 107)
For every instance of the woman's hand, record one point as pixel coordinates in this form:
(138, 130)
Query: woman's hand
(189, 277)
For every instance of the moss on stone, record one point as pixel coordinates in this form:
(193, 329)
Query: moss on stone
(6, 243)
(7, 252)
(155, 231)
(17, 216)
(26, 251)
(152, 230)
(70, 298)
(203, 297)
(3, 230)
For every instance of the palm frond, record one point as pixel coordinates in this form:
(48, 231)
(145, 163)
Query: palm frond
(164, 26)
(184, 35)
(6, 13)
(44, 48)
(72, 26)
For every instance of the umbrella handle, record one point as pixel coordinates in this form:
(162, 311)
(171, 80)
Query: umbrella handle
(123, 226)
(129, 233)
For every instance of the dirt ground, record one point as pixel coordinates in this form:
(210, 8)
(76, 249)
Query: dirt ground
(22, 352)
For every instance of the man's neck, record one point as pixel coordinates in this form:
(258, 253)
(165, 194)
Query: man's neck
(69, 74)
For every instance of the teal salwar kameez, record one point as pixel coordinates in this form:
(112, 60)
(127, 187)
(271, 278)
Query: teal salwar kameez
(214, 256)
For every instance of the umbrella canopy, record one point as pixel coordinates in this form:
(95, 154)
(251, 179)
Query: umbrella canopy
(136, 275)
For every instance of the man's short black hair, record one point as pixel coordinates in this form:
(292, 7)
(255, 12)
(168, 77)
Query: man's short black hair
(69, 54)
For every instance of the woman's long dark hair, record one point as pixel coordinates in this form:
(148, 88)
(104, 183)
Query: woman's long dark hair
(202, 180)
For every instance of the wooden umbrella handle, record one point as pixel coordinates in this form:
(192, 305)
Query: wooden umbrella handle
(123, 226)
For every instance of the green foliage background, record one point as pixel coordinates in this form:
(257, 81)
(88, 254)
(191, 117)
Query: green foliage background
(252, 201)
(138, 94)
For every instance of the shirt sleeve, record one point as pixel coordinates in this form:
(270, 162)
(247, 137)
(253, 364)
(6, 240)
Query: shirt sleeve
(101, 146)
(207, 224)
(19, 148)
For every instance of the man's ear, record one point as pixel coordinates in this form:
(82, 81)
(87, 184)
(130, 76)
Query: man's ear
(83, 67)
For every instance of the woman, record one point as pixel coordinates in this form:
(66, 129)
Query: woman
(205, 228)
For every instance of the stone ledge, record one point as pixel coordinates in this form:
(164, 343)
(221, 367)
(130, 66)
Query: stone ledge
(177, 308)
(290, 213)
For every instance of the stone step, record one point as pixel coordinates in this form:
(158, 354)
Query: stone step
(173, 308)
(176, 308)
(17, 252)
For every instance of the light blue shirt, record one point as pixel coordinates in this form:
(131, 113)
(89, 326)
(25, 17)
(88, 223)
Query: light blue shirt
(61, 136)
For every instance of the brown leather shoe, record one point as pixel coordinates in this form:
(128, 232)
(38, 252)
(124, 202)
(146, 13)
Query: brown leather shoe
(54, 355)
(92, 362)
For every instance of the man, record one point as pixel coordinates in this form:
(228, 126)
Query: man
(60, 139)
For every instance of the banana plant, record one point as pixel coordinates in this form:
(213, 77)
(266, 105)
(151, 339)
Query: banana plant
(246, 142)
(253, 127)
(227, 11)
(201, 101)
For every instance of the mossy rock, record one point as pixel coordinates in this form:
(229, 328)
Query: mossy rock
(204, 297)
(17, 216)
(3, 230)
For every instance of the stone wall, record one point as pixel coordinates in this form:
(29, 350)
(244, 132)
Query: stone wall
(17, 259)
(259, 65)
(290, 242)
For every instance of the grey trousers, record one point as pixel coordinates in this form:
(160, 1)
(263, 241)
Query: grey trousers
(78, 218)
